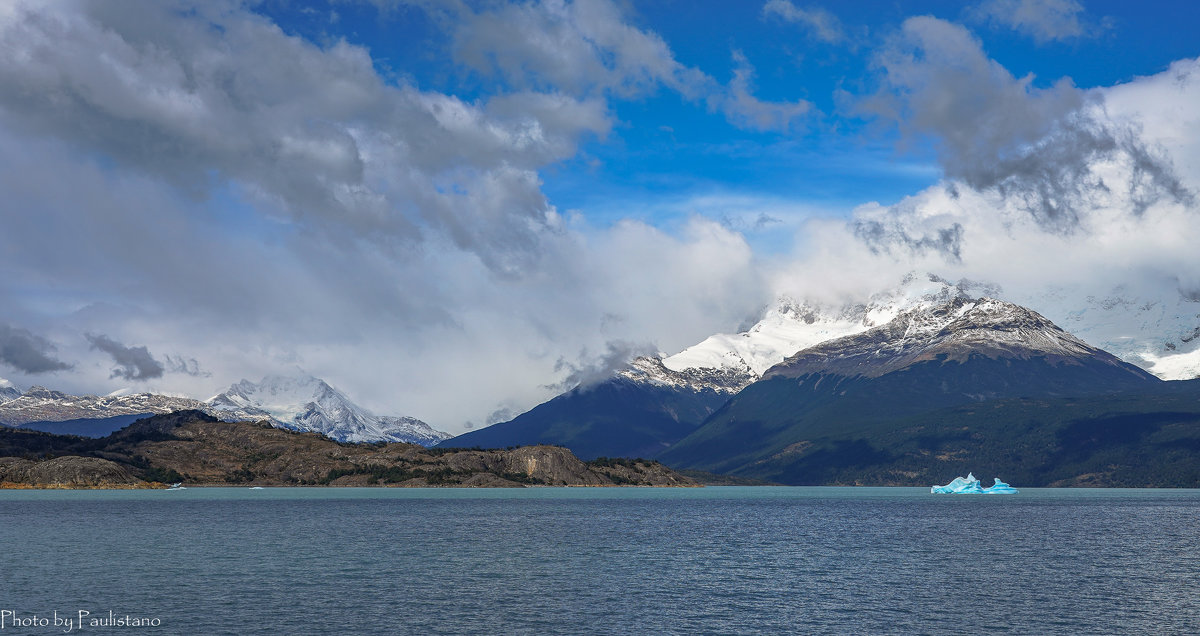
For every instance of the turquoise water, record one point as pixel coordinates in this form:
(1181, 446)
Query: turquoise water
(609, 561)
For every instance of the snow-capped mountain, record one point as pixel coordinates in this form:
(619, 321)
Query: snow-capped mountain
(960, 330)
(300, 403)
(40, 404)
(727, 363)
(883, 397)
(305, 403)
(1158, 330)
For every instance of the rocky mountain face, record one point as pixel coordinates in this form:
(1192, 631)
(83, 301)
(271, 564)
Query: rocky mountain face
(195, 448)
(305, 403)
(849, 403)
(8, 391)
(66, 472)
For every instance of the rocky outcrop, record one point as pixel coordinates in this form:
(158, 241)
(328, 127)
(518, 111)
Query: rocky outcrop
(67, 472)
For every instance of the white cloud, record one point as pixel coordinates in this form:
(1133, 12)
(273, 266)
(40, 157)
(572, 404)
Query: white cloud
(824, 25)
(1042, 20)
(587, 48)
(746, 111)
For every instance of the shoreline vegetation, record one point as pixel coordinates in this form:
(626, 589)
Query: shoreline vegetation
(195, 449)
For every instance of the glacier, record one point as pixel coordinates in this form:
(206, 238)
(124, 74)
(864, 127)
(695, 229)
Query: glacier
(970, 486)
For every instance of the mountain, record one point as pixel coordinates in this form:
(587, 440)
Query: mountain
(305, 403)
(621, 417)
(655, 401)
(1156, 328)
(851, 403)
(8, 391)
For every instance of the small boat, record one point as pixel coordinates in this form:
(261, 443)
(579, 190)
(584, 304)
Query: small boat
(177, 486)
(256, 488)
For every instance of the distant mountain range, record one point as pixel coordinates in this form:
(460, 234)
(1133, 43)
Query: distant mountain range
(301, 403)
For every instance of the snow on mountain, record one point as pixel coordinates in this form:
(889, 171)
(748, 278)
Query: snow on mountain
(729, 362)
(957, 330)
(305, 403)
(1156, 329)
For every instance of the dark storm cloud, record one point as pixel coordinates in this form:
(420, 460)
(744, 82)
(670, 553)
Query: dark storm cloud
(890, 237)
(28, 352)
(1035, 146)
(186, 366)
(133, 363)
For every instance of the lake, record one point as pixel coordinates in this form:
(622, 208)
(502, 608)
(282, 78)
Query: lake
(719, 560)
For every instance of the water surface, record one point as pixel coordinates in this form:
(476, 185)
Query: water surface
(606, 560)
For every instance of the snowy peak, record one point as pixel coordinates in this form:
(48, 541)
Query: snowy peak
(728, 363)
(957, 330)
(306, 403)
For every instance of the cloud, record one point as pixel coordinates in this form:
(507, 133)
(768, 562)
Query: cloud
(587, 49)
(215, 95)
(133, 363)
(746, 111)
(821, 23)
(1037, 146)
(28, 352)
(1043, 20)
(579, 47)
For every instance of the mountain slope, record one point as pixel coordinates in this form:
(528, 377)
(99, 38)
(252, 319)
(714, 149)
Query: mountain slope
(855, 388)
(620, 417)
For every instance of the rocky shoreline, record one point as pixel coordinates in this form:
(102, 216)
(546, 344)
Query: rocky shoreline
(196, 449)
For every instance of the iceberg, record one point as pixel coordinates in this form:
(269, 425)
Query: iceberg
(970, 486)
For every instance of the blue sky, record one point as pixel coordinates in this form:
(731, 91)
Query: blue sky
(666, 149)
(405, 198)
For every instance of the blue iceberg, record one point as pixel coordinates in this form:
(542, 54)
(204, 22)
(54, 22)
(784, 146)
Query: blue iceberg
(970, 486)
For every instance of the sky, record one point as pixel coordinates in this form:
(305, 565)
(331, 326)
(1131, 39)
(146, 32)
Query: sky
(447, 209)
